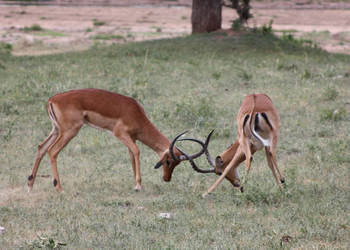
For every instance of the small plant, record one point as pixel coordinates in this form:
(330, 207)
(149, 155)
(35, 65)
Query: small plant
(244, 75)
(267, 29)
(8, 109)
(88, 30)
(332, 114)
(45, 242)
(287, 37)
(130, 36)
(34, 27)
(307, 74)
(98, 22)
(216, 75)
(5, 48)
(8, 136)
(287, 67)
(236, 25)
(108, 37)
(303, 42)
(330, 94)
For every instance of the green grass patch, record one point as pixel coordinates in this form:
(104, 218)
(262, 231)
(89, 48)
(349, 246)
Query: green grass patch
(106, 36)
(50, 33)
(98, 22)
(192, 83)
(34, 27)
(5, 48)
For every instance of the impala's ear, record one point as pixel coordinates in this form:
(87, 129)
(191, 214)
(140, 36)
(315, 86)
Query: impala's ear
(158, 165)
(163, 158)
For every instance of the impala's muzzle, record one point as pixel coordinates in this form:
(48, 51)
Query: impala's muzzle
(168, 171)
(219, 162)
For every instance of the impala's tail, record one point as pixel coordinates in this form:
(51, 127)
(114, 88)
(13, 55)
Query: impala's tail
(255, 127)
(51, 113)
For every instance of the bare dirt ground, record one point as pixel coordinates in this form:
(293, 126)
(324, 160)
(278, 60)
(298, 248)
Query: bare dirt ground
(66, 27)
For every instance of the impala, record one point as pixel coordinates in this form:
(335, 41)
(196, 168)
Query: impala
(119, 114)
(258, 127)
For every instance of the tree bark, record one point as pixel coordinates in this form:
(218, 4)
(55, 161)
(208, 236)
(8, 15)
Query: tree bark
(206, 15)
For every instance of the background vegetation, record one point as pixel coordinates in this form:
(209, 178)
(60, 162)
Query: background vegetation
(194, 83)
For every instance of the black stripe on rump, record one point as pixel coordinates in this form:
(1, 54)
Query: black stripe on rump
(256, 123)
(245, 120)
(267, 120)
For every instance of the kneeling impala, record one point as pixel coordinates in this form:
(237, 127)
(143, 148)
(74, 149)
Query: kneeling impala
(121, 115)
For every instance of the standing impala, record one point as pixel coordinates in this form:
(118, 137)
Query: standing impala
(258, 127)
(121, 115)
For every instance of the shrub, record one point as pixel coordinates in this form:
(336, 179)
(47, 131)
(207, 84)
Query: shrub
(34, 27)
(5, 48)
(98, 22)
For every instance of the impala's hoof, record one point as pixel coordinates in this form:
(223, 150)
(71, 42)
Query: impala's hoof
(204, 195)
(242, 190)
(283, 181)
(137, 188)
(237, 183)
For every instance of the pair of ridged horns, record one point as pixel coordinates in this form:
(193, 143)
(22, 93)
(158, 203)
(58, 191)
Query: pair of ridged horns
(191, 158)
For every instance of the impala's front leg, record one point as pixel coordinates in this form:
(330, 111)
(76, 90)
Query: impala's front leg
(249, 158)
(237, 159)
(134, 152)
(232, 176)
(136, 170)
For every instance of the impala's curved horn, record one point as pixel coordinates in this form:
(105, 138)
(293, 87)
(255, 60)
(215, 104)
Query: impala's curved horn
(194, 166)
(205, 147)
(171, 148)
(204, 150)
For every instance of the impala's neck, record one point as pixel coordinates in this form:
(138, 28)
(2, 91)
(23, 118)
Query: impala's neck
(229, 153)
(154, 139)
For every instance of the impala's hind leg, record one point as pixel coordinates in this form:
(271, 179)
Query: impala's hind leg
(274, 158)
(42, 149)
(63, 139)
(272, 166)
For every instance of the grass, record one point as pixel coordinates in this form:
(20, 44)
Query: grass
(194, 83)
(34, 27)
(98, 22)
(106, 36)
(50, 33)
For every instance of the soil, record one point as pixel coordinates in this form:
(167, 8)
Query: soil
(66, 27)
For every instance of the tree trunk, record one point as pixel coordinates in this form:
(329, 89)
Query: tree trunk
(206, 15)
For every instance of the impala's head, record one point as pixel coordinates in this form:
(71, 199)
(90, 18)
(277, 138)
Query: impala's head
(173, 156)
(220, 163)
(169, 163)
(222, 160)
